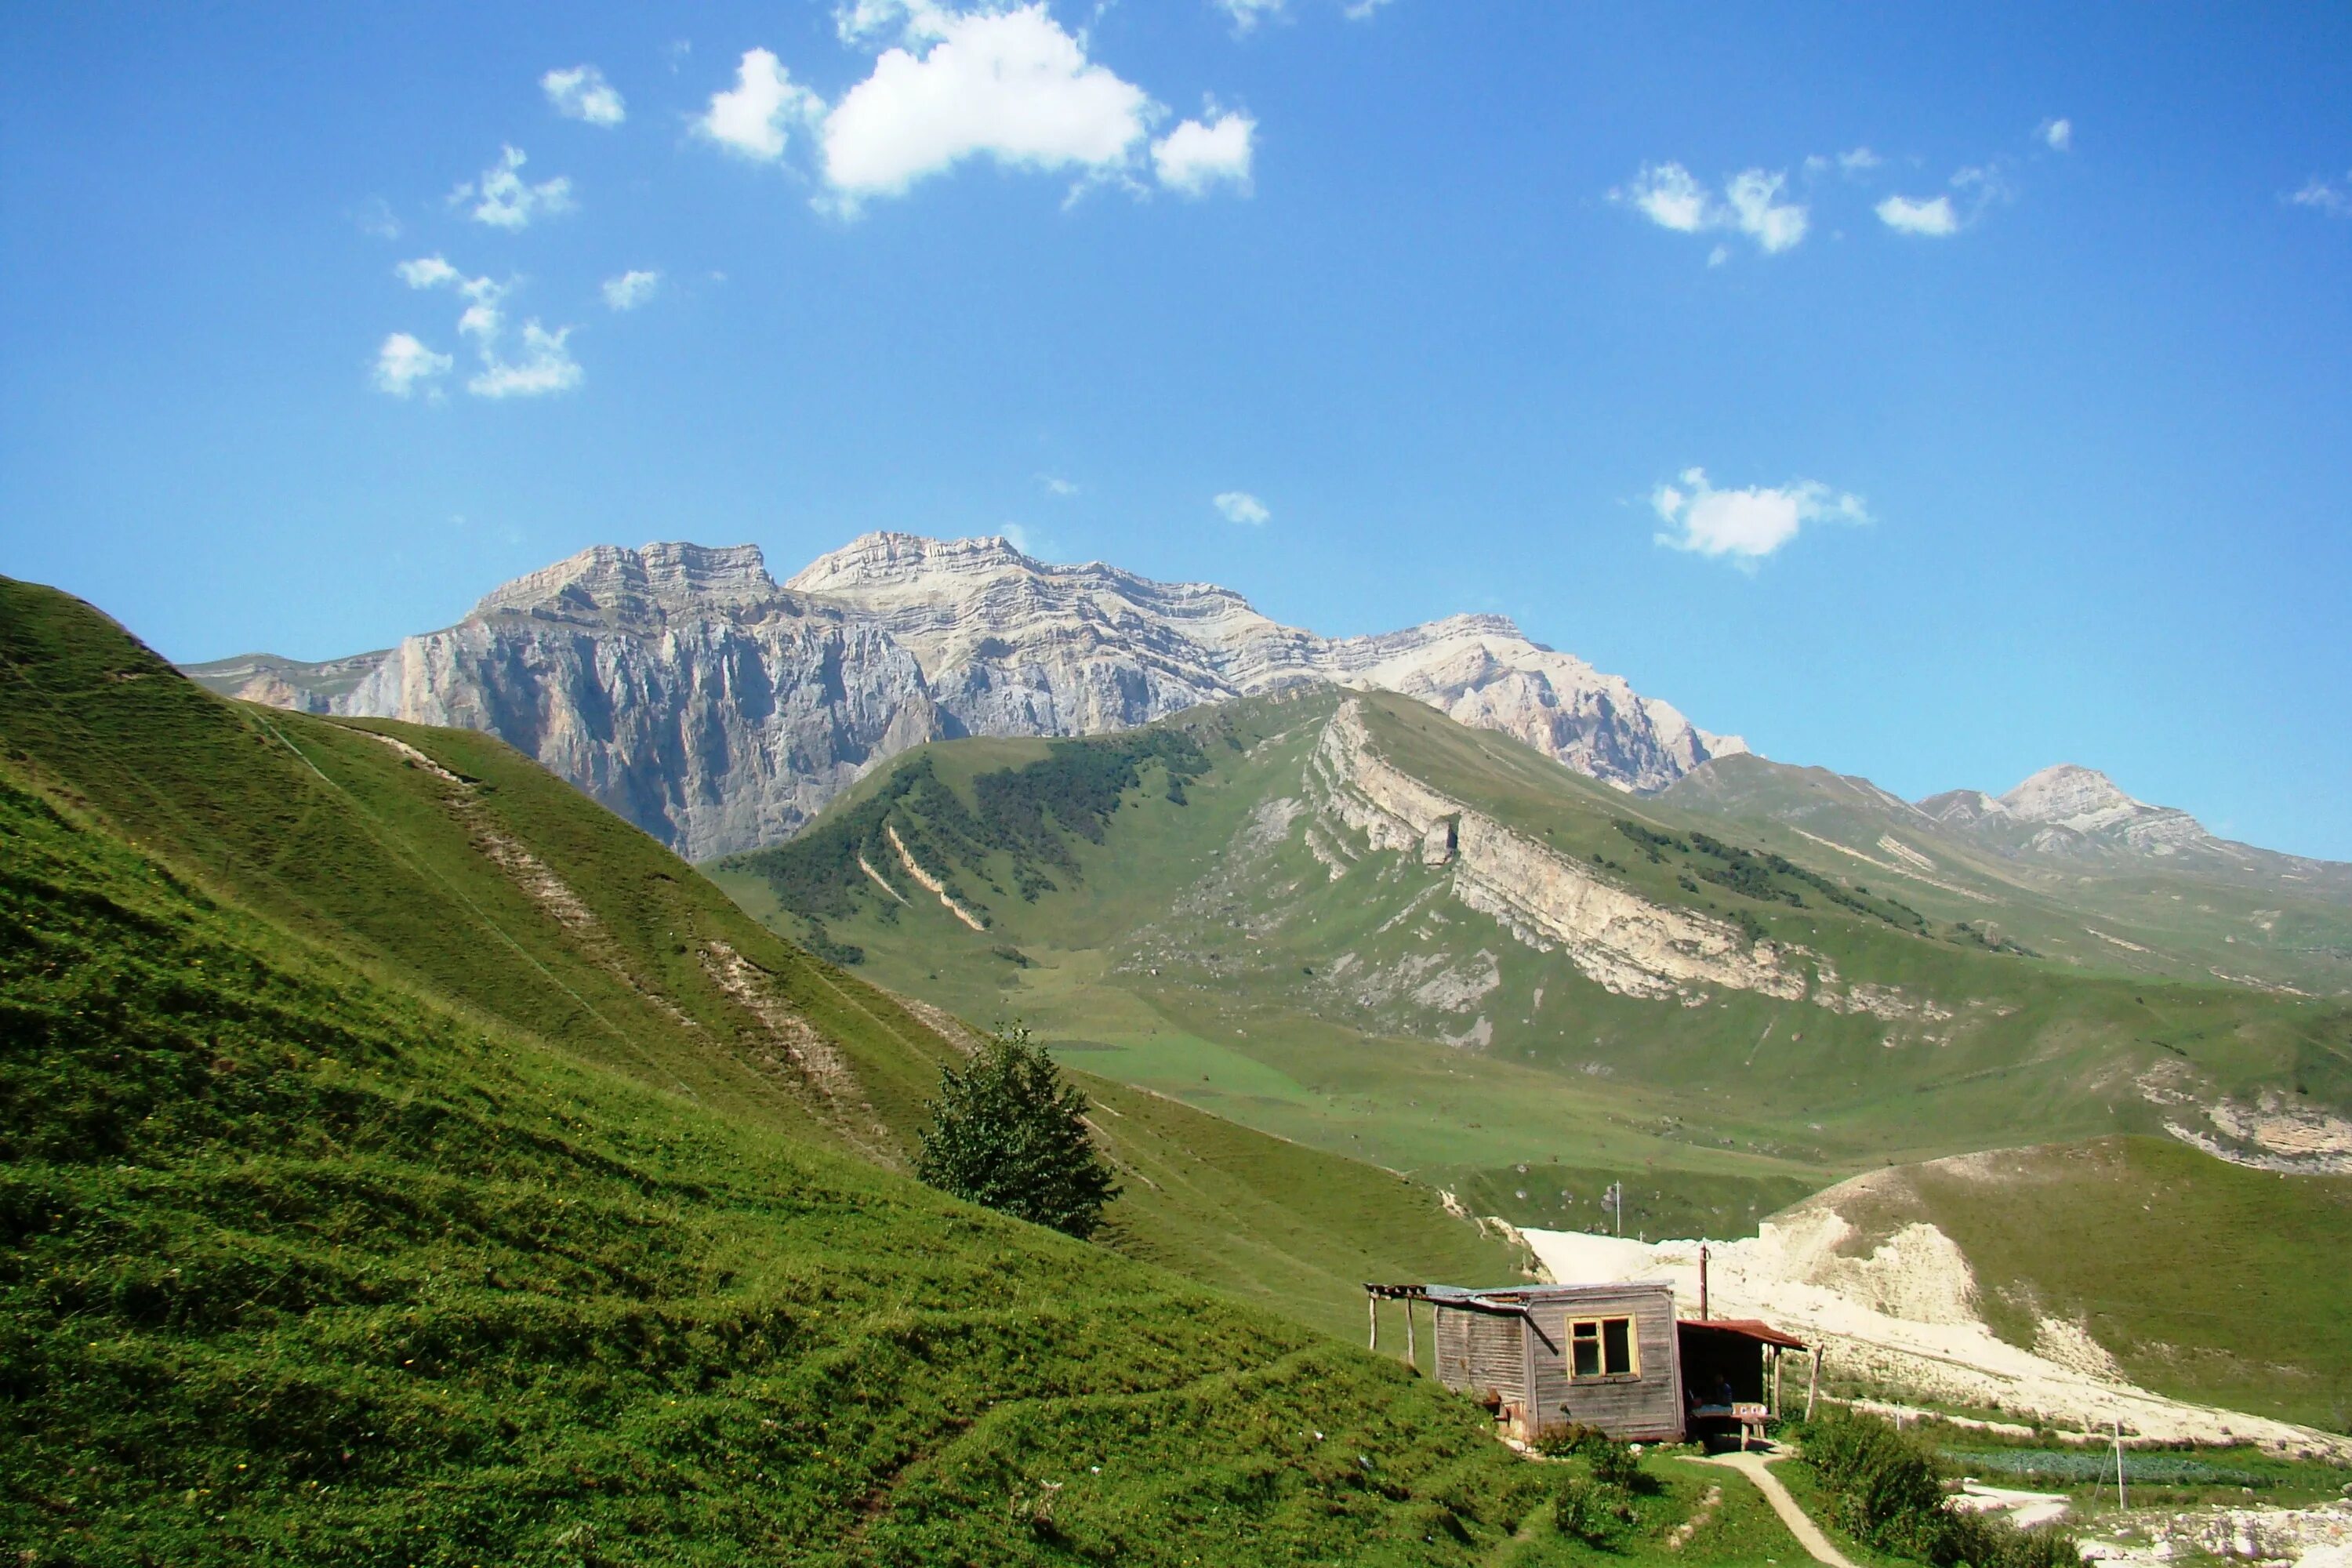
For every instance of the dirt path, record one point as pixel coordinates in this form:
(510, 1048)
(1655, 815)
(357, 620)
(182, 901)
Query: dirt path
(1809, 1534)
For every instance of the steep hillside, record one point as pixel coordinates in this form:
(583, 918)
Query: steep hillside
(445, 864)
(2124, 1278)
(299, 1267)
(2078, 871)
(1347, 919)
(681, 687)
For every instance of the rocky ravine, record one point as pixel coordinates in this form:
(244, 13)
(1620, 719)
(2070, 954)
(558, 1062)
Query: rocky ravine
(684, 688)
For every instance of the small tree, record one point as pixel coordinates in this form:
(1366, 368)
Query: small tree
(1009, 1133)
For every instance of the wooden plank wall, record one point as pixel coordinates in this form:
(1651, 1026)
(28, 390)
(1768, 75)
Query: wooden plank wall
(1645, 1408)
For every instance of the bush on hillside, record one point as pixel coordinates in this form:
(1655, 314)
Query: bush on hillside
(1008, 1132)
(1886, 1493)
(1589, 1511)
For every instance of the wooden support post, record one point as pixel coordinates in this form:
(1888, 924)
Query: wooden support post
(1776, 1382)
(1411, 1356)
(1372, 1309)
(1813, 1388)
(2121, 1504)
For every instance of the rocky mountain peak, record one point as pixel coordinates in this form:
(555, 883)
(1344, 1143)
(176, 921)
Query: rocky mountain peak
(884, 561)
(2070, 795)
(606, 584)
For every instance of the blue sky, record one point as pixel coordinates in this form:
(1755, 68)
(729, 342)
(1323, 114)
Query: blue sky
(2015, 444)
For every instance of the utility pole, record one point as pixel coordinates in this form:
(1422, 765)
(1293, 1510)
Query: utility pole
(2121, 1504)
(1702, 1282)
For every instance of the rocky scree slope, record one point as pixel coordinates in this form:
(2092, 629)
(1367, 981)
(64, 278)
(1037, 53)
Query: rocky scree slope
(682, 686)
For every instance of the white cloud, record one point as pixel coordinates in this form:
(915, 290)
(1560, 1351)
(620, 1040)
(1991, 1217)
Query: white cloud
(1860, 161)
(754, 118)
(2321, 196)
(1057, 486)
(402, 365)
(1016, 536)
(631, 289)
(1719, 256)
(1933, 219)
(1248, 13)
(506, 200)
(546, 365)
(583, 93)
(1775, 225)
(1360, 10)
(425, 272)
(1008, 84)
(2059, 134)
(1668, 196)
(1744, 524)
(1194, 155)
(1240, 506)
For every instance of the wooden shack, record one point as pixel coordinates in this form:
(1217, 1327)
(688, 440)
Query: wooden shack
(1550, 1355)
(1612, 1356)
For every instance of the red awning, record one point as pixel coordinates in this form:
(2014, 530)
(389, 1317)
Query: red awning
(1756, 1328)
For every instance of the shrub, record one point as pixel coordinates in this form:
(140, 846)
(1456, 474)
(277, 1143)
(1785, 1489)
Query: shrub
(1588, 1512)
(1616, 1466)
(1010, 1133)
(1887, 1494)
(1557, 1442)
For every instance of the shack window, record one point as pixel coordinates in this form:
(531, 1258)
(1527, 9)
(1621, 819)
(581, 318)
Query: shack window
(1600, 1347)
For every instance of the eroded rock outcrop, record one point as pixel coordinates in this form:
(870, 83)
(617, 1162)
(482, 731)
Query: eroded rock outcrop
(1619, 939)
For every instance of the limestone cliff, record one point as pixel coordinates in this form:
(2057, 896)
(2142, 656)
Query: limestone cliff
(686, 688)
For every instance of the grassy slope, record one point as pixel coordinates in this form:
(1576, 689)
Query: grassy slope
(2203, 1279)
(296, 1265)
(1167, 956)
(346, 842)
(2193, 918)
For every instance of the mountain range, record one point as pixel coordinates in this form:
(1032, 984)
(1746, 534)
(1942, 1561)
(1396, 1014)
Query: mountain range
(684, 688)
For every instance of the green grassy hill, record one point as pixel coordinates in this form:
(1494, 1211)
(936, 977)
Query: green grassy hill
(402, 1160)
(1181, 907)
(2203, 1279)
(2225, 913)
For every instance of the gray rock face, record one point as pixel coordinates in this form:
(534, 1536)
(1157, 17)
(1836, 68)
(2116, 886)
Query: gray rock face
(684, 688)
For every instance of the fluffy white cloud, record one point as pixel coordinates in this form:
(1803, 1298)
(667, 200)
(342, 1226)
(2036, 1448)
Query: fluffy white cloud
(1668, 196)
(503, 199)
(1240, 506)
(631, 289)
(402, 365)
(755, 117)
(1934, 219)
(425, 272)
(1860, 161)
(1196, 156)
(583, 93)
(1756, 211)
(1744, 524)
(1008, 84)
(2321, 196)
(545, 365)
(2058, 135)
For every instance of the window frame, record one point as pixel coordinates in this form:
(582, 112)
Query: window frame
(1599, 1339)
